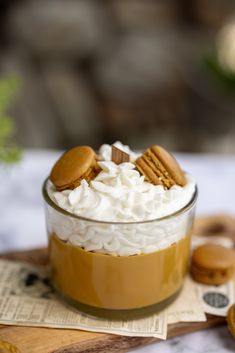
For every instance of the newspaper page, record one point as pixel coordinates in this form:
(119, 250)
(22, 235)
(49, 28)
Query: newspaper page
(182, 309)
(28, 299)
(216, 300)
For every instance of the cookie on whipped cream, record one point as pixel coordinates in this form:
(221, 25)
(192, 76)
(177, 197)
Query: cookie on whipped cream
(78, 163)
(160, 168)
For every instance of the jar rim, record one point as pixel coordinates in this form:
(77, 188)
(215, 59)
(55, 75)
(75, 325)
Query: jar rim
(182, 210)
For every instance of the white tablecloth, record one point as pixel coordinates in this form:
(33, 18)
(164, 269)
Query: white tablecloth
(22, 223)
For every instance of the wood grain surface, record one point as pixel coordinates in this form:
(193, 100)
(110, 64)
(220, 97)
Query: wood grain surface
(47, 340)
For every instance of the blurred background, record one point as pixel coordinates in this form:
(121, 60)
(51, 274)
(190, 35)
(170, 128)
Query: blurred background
(95, 71)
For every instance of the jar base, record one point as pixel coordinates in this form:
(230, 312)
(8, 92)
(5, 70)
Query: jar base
(118, 314)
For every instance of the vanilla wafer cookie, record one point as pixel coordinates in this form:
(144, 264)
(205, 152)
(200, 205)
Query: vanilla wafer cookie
(160, 167)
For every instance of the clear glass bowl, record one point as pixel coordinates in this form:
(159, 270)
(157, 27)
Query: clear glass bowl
(111, 286)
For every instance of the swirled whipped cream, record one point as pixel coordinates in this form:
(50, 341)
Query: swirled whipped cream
(120, 194)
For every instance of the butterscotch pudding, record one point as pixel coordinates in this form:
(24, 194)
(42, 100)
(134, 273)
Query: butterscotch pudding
(119, 232)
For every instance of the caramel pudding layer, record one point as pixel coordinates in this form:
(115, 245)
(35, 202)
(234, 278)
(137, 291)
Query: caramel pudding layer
(118, 282)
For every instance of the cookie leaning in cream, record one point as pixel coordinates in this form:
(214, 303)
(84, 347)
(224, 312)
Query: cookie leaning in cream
(160, 167)
(120, 193)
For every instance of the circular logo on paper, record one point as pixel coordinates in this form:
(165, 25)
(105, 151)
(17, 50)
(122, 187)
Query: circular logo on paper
(216, 300)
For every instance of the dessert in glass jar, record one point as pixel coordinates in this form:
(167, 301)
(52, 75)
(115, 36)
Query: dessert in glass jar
(119, 228)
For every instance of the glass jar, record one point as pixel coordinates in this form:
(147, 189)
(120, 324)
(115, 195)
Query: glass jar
(114, 286)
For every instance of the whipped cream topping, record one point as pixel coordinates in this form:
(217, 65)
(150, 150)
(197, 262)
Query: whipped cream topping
(120, 194)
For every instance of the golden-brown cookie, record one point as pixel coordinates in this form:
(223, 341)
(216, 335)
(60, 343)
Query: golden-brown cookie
(231, 319)
(218, 224)
(160, 168)
(212, 264)
(74, 165)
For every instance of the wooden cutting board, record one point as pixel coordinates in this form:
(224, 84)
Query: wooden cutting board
(47, 340)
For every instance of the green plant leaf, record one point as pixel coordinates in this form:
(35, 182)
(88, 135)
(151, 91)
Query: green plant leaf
(8, 88)
(6, 127)
(9, 153)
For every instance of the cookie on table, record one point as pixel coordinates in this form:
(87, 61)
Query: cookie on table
(212, 264)
(231, 319)
(74, 165)
(218, 224)
(159, 167)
